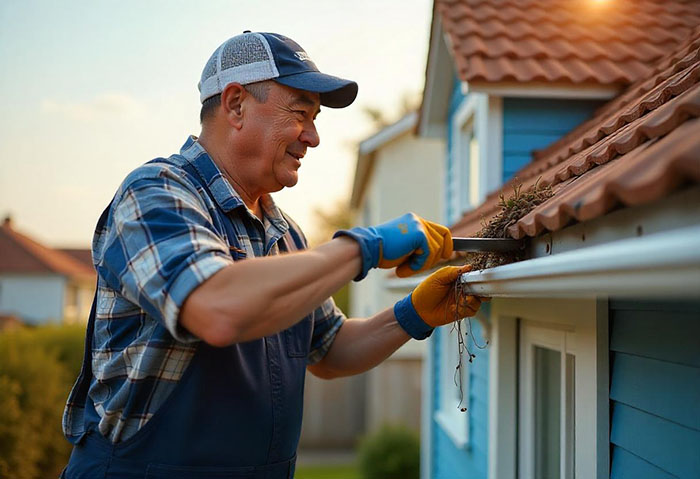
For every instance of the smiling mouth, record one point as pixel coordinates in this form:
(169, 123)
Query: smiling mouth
(296, 155)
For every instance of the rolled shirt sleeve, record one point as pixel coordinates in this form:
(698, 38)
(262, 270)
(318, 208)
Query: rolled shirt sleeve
(328, 319)
(162, 244)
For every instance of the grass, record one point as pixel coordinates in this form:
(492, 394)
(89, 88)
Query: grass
(345, 471)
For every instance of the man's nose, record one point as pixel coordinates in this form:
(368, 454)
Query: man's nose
(309, 136)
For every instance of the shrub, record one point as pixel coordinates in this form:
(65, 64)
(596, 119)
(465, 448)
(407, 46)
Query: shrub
(37, 369)
(393, 452)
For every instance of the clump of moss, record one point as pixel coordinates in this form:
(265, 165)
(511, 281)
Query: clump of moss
(513, 208)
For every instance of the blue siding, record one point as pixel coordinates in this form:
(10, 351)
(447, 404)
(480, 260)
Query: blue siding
(534, 123)
(449, 462)
(456, 99)
(655, 389)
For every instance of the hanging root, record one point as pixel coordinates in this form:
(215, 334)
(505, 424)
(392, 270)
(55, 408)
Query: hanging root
(512, 209)
(462, 342)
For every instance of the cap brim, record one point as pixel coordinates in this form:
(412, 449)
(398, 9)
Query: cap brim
(335, 92)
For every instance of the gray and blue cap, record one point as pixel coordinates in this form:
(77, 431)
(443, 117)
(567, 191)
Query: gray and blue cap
(253, 57)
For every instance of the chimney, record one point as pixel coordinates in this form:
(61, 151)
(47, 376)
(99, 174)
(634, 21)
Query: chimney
(7, 222)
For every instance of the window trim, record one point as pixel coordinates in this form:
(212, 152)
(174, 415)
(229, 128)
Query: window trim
(554, 339)
(485, 112)
(588, 316)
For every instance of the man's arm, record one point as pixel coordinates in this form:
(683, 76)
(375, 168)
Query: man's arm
(360, 345)
(260, 296)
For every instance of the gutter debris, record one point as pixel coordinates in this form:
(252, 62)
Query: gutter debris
(513, 209)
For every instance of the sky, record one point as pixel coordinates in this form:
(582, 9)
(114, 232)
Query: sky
(92, 89)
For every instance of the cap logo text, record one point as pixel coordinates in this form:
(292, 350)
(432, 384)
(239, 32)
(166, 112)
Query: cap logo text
(302, 56)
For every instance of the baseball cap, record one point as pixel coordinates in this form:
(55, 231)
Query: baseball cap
(253, 56)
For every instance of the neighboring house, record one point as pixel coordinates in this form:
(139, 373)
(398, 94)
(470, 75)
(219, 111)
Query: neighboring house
(39, 284)
(593, 362)
(396, 173)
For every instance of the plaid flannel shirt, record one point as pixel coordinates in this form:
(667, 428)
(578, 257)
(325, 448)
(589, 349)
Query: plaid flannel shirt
(163, 238)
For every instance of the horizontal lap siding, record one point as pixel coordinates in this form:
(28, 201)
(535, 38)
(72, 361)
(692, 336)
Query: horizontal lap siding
(655, 389)
(449, 462)
(534, 123)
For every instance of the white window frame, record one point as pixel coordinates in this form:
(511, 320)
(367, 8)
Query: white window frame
(479, 116)
(558, 340)
(448, 415)
(584, 323)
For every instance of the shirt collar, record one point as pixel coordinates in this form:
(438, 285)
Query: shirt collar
(224, 194)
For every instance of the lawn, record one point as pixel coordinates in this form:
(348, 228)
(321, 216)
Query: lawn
(327, 472)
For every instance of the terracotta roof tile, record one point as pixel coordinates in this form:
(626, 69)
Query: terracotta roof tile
(606, 43)
(636, 149)
(21, 254)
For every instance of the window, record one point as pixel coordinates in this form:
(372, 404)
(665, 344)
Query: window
(547, 399)
(548, 389)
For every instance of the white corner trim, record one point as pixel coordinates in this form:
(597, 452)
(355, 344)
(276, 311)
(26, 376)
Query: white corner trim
(426, 445)
(665, 264)
(503, 394)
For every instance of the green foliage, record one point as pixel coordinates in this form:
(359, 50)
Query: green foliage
(37, 369)
(393, 452)
(342, 471)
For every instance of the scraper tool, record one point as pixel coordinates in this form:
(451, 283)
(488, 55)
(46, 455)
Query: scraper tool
(489, 245)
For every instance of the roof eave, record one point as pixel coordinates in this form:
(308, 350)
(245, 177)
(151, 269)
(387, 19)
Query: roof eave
(591, 91)
(439, 72)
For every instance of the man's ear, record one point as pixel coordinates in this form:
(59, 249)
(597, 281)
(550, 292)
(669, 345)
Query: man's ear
(232, 103)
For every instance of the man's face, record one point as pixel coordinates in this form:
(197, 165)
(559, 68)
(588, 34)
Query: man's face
(282, 129)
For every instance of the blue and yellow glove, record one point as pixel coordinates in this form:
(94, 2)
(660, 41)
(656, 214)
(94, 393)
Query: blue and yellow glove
(409, 243)
(433, 303)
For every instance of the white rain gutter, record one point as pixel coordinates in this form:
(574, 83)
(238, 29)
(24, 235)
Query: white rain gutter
(665, 264)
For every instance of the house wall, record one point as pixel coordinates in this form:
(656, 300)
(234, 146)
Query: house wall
(34, 298)
(655, 389)
(406, 175)
(534, 123)
(448, 460)
(78, 301)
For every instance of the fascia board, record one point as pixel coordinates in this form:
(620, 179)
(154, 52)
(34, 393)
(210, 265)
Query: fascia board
(665, 264)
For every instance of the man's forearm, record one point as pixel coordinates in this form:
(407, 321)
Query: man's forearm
(260, 296)
(360, 345)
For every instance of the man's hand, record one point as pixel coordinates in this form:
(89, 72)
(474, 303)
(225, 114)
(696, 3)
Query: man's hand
(409, 243)
(434, 303)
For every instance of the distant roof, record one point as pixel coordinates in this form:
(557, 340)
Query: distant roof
(605, 42)
(637, 149)
(21, 254)
(84, 255)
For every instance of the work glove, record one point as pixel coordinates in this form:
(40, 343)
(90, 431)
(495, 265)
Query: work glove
(408, 242)
(433, 303)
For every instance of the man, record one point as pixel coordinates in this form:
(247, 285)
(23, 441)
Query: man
(201, 331)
